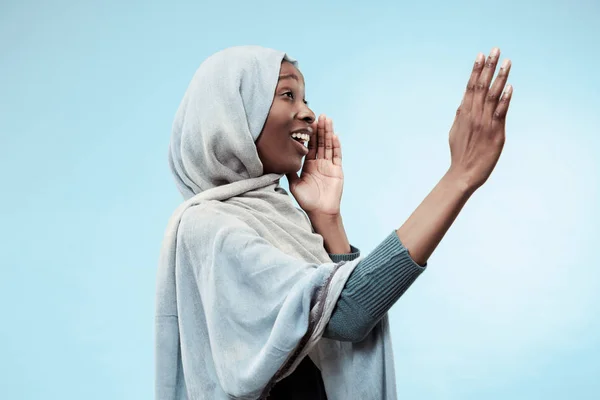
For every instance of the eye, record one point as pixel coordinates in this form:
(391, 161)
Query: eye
(291, 96)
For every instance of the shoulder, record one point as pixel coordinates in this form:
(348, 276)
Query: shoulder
(210, 221)
(211, 232)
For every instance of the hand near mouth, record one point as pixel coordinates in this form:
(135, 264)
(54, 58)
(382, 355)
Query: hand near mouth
(318, 190)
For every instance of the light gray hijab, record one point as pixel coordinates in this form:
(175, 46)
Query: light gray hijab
(244, 287)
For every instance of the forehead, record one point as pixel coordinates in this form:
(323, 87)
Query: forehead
(289, 73)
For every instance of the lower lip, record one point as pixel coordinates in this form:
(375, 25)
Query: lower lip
(302, 148)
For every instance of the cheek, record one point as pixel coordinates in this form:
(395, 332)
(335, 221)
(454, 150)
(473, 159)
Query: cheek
(280, 115)
(277, 136)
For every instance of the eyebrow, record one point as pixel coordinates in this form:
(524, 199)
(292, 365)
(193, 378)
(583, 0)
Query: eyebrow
(289, 76)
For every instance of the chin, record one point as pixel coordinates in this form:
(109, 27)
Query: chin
(290, 168)
(297, 166)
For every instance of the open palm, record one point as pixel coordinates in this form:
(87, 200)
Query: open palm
(319, 188)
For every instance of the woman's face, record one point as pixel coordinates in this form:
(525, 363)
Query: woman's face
(289, 114)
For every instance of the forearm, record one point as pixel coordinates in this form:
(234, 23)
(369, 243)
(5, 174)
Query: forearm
(331, 228)
(428, 224)
(376, 283)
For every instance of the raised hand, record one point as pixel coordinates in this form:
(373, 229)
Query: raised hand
(319, 188)
(478, 133)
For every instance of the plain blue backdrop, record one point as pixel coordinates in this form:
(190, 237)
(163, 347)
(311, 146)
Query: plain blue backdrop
(509, 305)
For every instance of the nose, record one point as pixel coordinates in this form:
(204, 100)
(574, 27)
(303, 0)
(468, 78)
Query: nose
(306, 114)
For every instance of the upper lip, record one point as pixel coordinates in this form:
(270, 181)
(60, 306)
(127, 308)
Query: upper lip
(307, 131)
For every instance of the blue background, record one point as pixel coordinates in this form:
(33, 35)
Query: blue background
(88, 90)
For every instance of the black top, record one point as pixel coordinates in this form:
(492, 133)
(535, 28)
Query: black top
(305, 383)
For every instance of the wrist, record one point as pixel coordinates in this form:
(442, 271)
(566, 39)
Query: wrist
(459, 182)
(325, 219)
(331, 229)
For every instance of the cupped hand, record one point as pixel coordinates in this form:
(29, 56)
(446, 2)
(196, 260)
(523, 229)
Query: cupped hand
(478, 133)
(319, 188)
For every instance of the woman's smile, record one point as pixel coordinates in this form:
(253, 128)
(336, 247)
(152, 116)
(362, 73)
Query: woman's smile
(300, 146)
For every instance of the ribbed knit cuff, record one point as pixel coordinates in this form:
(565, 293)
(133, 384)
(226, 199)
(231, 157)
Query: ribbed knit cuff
(354, 254)
(383, 276)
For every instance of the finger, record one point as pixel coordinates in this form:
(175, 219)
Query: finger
(321, 137)
(328, 139)
(499, 115)
(493, 96)
(468, 97)
(337, 150)
(312, 142)
(485, 78)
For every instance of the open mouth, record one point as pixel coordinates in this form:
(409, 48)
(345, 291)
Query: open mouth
(301, 138)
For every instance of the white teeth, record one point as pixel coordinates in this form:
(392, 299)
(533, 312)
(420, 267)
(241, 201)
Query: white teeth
(303, 136)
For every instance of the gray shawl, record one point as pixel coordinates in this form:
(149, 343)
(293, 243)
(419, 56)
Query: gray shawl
(244, 287)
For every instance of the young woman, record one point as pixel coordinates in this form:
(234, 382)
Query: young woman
(259, 299)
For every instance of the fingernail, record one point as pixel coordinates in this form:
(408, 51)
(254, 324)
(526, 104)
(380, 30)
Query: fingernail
(479, 58)
(509, 89)
(505, 63)
(495, 52)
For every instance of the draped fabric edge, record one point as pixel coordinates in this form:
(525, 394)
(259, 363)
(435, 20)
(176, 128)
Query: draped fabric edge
(323, 301)
(324, 304)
